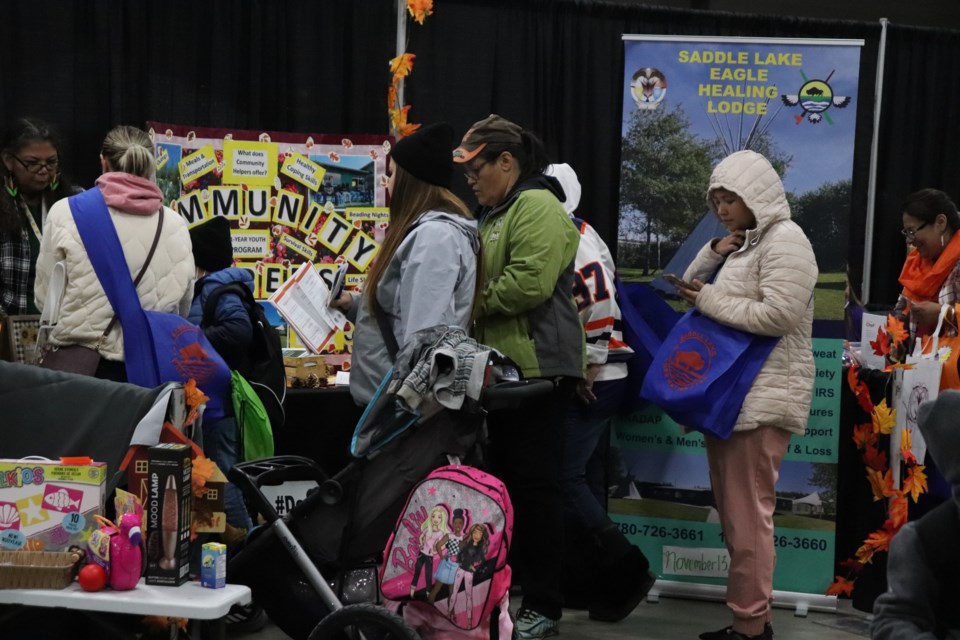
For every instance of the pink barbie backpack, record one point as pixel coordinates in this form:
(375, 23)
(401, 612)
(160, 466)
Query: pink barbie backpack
(449, 549)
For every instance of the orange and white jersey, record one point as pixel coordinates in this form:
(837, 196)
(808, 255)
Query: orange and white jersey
(596, 296)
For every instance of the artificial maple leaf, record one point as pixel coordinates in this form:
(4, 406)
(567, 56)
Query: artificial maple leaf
(202, 472)
(402, 65)
(852, 565)
(863, 435)
(392, 97)
(852, 380)
(865, 554)
(916, 482)
(194, 398)
(898, 511)
(406, 129)
(398, 117)
(880, 539)
(860, 390)
(906, 446)
(884, 418)
(841, 587)
(898, 333)
(881, 483)
(881, 346)
(420, 9)
(875, 458)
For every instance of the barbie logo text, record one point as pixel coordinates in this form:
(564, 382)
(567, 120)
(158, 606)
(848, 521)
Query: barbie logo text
(407, 558)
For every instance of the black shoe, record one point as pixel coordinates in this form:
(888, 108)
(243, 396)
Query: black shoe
(727, 633)
(248, 618)
(617, 610)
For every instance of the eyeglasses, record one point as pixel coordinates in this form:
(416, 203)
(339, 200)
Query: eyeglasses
(35, 166)
(910, 234)
(473, 173)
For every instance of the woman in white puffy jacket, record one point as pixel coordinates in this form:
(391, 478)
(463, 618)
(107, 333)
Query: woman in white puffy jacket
(765, 274)
(129, 188)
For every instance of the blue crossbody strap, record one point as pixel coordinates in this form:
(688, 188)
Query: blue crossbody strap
(105, 252)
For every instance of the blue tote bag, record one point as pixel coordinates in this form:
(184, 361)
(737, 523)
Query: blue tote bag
(646, 321)
(703, 371)
(157, 347)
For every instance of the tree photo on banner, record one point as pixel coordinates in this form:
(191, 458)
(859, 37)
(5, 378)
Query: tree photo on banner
(689, 102)
(290, 198)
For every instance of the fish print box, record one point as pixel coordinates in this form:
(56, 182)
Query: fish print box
(47, 505)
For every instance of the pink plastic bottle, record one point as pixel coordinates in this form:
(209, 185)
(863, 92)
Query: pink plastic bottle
(126, 561)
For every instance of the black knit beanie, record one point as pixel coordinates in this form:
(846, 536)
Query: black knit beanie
(212, 247)
(425, 154)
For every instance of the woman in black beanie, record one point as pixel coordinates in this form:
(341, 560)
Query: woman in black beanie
(425, 273)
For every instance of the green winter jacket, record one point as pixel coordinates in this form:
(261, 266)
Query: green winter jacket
(527, 310)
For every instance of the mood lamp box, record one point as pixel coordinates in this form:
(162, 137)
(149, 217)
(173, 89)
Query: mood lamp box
(49, 505)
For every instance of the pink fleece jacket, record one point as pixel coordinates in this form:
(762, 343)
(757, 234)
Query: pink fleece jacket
(129, 193)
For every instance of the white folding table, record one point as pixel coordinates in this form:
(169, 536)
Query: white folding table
(189, 600)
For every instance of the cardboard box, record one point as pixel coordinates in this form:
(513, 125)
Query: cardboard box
(300, 369)
(169, 501)
(47, 505)
(213, 565)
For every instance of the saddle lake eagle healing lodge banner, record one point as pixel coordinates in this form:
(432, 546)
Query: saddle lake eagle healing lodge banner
(688, 102)
(290, 198)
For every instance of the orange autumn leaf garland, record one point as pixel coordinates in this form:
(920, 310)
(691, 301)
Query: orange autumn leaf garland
(878, 473)
(401, 67)
(420, 9)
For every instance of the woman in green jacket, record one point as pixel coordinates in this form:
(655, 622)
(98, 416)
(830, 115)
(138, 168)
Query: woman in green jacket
(528, 313)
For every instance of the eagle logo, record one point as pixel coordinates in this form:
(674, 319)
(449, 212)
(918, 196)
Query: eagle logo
(815, 97)
(648, 88)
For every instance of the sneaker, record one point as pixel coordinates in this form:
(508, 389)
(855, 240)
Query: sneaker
(245, 618)
(727, 633)
(530, 625)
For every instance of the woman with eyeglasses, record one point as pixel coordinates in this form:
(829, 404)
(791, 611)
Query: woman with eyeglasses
(931, 272)
(32, 182)
(527, 312)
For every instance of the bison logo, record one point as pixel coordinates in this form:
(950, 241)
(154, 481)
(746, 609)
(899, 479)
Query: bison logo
(689, 361)
(190, 359)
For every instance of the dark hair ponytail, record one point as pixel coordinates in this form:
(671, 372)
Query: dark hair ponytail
(530, 154)
(535, 160)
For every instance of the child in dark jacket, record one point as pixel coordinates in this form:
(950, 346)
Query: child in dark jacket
(230, 333)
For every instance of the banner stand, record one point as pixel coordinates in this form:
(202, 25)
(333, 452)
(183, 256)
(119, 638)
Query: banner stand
(801, 603)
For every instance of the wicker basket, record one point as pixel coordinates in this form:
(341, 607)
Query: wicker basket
(37, 569)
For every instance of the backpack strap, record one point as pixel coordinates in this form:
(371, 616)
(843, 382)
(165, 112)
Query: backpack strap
(210, 304)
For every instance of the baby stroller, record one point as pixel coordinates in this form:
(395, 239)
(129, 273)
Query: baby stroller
(314, 570)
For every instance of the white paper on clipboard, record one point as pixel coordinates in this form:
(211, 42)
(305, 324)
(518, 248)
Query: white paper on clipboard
(304, 301)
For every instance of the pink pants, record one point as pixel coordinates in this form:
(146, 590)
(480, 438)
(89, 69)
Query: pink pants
(744, 471)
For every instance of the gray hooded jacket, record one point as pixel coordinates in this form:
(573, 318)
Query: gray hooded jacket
(430, 281)
(921, 600)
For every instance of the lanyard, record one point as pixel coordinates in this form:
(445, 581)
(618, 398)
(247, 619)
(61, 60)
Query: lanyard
(30, 219)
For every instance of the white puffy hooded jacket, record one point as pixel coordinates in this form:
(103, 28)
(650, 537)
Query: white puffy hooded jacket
(766, 288)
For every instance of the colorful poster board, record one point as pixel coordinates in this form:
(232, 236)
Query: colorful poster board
(290, 198)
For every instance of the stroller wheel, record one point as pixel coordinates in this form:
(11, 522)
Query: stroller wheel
(363, 622)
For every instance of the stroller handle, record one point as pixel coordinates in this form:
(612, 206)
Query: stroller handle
(512, 394)
(251, 475)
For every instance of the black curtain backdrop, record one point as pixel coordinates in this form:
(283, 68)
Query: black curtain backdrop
(555, 66)
(919, 143)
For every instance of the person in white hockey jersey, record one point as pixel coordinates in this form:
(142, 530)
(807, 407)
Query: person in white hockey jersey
(603, 571)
